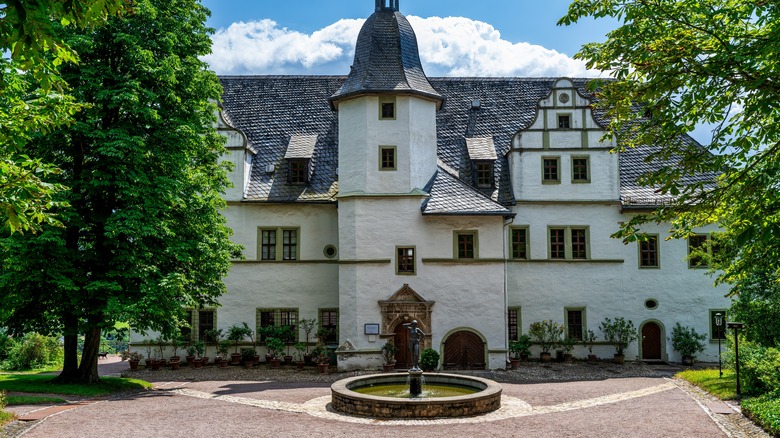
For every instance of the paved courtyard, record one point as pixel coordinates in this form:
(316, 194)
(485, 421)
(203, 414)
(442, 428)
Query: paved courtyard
(624, 407)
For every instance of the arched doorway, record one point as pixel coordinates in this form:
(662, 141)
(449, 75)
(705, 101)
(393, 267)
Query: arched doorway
(403, 355)
(651, 341)
(464, 350)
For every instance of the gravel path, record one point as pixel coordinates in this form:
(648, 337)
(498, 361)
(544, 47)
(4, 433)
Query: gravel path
(561, 400)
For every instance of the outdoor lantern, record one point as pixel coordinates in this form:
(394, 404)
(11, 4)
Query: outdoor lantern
(718, 324)
(736, 326)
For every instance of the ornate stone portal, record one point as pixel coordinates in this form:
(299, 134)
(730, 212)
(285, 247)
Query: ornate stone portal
(404, 306)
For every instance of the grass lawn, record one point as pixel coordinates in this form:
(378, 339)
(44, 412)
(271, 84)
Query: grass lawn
(725, 388)
(32, 400)
(5, 417)
(42, 383)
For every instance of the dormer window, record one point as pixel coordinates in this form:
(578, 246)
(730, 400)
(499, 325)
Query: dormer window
(298, 156)
(387, 108)
(483, 156)
(564, 121)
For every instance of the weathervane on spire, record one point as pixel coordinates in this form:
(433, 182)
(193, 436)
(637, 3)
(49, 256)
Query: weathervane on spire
(386, 5)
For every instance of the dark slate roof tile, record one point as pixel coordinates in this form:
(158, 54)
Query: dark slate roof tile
(451, 196)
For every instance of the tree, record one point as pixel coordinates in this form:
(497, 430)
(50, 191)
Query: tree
(143, 237)
(34, 100)
(680, 63)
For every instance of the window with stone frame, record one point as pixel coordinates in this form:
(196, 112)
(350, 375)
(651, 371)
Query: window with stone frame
(483, 170)
(271, 249)
(465, 244)
(268, 244)
(513, 322)
(568, 243)
(329, 319)
(579, 169)
(579, 243)
(205, 323)
(405, 260)
(648, 252)
(387, 158)
(277, 317)
(298, 171)
(564, 121)
(551, 169)
(289, 244)
(519, 243)
(387, 108)
(557, 243)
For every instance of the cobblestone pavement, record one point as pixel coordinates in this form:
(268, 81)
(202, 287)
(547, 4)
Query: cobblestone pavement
(635, 401)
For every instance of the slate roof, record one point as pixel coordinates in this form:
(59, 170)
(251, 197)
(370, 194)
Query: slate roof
(386, 59)
(451, 196)
(481, 148)
(271, 110)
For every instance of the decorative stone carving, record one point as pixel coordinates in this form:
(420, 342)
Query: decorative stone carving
(404, 306)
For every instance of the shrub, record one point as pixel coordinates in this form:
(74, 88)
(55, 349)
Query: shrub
(765, 411)
(521, 347)
(686, 341)
(759, 368)
(429, 359)
(6, 342)
(33, 351)
(547, 334)
(620, 333)
(3, 400)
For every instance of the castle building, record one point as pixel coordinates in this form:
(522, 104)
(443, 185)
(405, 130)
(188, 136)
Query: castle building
(475, 206)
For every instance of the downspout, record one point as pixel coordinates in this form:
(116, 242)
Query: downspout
(507, 222)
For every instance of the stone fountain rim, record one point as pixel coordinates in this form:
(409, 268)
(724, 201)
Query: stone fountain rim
(491, 388)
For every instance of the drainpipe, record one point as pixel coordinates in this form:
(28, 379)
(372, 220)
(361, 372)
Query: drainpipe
(507, 221)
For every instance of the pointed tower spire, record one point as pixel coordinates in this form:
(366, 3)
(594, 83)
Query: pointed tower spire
(386, 5)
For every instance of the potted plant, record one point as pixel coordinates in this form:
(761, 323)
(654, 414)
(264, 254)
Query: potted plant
(320, 356)
(300, 350)
(148, 345)
(567, 346)
(191, 354)
(520, 350)
(252, 334)
(687, 342)
(265, 333)
(429, 359)
(308, 325)
(133, 359)
(221, 358)
(388, 354)
(590, 340)
(275, 348)
(248, 357)
(200, 349)
(236, 334)
(620, 333)
(547, 334)
(159, 354)
(287, 335)
(176, 345)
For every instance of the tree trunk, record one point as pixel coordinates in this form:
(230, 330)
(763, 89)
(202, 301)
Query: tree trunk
(88, 370)
(70, 366)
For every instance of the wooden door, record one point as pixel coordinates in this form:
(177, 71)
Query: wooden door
(464, 350)
(651, 341)
(403, 354)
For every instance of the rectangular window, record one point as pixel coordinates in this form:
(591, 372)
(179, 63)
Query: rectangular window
(465, 245)
(387, 158)
(281, 317)
(289, 244)
(564, 121)
(569, 242)
(557, 243)
(579, 244)
(268, 245)
(298, 171)
(574, 324)
(513, 322)
(550, 167)
(519, 242)
(329, 319)
(205, 323)
(648, 253)
(579, 170)
(484, 174)
(387, 108)
(405, 260)
(268, 248)
(715, 331)
(697, 251)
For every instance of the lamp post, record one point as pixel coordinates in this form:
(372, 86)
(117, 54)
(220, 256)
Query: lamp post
(718, 324)
(736, 326)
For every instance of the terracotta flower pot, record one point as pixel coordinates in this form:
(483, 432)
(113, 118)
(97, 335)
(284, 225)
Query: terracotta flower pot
(197, 363)
(592, 358)
(388, 367)
(276, 362)
(515, 363)
(567, 357)
(235, 358)
(619, 359)
(323, 368)
(299, 365)
(189, 359)
(223, 363)
(545, 357)
(174, 364)
(133, 364)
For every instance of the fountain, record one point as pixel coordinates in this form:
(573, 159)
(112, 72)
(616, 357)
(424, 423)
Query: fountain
(376, 395)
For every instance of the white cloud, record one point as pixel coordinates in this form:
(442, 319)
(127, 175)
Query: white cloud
(452, 46)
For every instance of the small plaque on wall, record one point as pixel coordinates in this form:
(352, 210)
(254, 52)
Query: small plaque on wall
(371, 329)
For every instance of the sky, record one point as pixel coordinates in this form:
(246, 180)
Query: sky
(455, 38)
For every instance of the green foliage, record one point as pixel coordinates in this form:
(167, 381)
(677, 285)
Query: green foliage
(33, 400)
(567, 345)
(547, 334)
(200, 348)
(143, 238)
(686, 341)
(590, 340)
(710, 380)
(3, 400)
(6, 342)
(520, 347)
(692, 62)
(388, 352)
(248, 354)
(44, 384)
(222, 349)
(429, 359)
(237, 333)
(33, 351)
(759, 367)
(620, 333)
(765, 411)
(275, 346)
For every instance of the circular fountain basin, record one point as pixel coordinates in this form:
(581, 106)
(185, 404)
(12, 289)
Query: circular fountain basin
(485, 398)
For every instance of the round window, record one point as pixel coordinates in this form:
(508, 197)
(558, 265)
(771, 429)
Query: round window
(651, 304)
(563, 97)
(329, 251)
